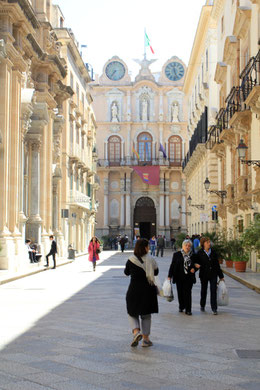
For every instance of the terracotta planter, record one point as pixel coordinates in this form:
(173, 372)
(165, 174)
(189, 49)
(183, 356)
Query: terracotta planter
(229, 263)
(240, 266)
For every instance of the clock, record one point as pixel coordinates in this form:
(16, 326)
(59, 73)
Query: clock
(115, 70)
(174, 71)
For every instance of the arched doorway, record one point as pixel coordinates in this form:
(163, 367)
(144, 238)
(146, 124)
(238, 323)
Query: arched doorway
(145, 217)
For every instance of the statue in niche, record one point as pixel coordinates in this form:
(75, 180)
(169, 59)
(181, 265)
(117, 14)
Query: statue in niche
(144, 110)
(114, 112)
(175, 112)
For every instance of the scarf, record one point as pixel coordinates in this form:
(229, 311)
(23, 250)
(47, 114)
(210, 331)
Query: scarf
(148, 265)
(187, 260)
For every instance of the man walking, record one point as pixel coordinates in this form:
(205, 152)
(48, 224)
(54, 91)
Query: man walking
(160, 245)
(52, 253)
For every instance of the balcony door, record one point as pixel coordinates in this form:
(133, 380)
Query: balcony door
(114, 150)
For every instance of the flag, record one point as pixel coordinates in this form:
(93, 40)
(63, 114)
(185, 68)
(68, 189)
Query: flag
(149, 174)
(135, 152)
(147, 42)
(161, 149)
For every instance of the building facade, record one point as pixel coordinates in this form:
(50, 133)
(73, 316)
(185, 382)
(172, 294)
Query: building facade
(32, 125)
(134, 120)
(234, 181)
(201, 97)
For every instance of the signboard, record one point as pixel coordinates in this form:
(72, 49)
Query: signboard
(204, 217)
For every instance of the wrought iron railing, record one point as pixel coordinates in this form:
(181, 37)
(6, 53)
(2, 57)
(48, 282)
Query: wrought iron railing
(132, 161)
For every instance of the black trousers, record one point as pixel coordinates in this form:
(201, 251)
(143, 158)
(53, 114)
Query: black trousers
(159, 248)
(53, 257)
(213, 292)
(184, 288)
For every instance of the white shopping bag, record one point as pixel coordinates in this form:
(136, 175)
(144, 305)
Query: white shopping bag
(167, 290)
(222, 294)
(158, 285)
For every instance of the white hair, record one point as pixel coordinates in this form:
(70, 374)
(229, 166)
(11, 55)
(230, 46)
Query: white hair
(187, 241)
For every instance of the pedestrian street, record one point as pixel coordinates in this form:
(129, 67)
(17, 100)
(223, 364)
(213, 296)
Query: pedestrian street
(67, 329)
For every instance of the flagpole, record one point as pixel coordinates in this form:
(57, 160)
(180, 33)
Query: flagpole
(145, 43)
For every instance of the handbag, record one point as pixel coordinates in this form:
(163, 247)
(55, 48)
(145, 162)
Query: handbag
(98, 251)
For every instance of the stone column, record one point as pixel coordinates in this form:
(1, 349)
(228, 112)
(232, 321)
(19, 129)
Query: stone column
(55, 207)
(162, 202)
(122, 211)
(34, 221)
(128, 201)
(106, 203)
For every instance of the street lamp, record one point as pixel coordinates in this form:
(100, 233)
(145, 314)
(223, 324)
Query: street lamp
(198, 206)
(184, 212)
(241, 149)
(221, 194)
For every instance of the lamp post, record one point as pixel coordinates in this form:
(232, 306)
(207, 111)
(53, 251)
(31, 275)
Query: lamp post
(241, 149)
(198, 206)
(221, 194)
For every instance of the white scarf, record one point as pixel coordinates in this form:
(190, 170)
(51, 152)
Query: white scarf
(149, 265)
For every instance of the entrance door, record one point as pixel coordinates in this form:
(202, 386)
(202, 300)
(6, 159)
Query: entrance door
(145, 217)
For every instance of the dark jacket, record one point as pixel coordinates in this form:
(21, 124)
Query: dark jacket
(176, 270)
(141, 297)
(53, 247)
(160, 242)
(209, 266)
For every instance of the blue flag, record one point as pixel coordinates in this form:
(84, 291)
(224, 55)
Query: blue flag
(161, 149)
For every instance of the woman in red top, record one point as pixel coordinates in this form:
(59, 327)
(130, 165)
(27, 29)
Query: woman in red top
(93, 251)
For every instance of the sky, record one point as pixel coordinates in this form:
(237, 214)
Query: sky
(116, 27)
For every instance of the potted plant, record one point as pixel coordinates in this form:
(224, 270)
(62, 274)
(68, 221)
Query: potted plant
(251, 236)
(239, 254)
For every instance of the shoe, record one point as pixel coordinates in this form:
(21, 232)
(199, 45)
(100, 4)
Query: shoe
(137, 337)
(147, 343)
(46, 265)
(202, 309)
(189, 313)
(180, 310)
(53, 267)
(215, 313)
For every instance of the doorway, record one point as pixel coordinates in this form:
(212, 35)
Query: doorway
(145, 217)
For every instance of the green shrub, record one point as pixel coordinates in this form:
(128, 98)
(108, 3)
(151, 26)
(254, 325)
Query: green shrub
(251, 236)
(179, 239)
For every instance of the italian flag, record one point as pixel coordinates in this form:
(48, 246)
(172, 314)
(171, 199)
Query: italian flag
(147, 42)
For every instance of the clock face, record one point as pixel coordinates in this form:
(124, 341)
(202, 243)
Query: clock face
(115, 70)
(174, 71)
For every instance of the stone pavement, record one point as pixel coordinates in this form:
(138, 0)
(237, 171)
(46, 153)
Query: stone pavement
(67, 329)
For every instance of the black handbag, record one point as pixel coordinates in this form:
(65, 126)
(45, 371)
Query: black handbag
(98, 251)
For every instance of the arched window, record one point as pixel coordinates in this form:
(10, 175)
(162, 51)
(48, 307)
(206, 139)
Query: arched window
(114, 150)
(175, 150)
(144, 146)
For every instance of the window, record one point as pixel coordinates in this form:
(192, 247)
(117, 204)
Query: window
(77, 93)
(71, 80)
(175, 150)
(71, 181)
(144, 142)
(114, 150)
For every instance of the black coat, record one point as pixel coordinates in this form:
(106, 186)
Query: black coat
(141, 297)
(176, 270)
(53, 247)
(209, 266)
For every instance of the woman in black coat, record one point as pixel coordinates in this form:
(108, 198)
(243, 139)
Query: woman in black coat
(182, 272)
(141, 296)
(208, 264)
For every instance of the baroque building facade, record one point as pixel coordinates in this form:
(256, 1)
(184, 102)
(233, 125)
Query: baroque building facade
(134, 120)
(233, 181)
(33, 91)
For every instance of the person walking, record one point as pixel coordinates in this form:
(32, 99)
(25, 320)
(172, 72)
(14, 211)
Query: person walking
(122, 243)
(93, 251)
(141, 296)
(152, 243)
(209, 271)
(160, 245)
(52, 253)
(182, 272)
(196, 243)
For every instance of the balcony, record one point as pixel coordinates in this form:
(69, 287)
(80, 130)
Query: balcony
(243, 197)
(75, 152)
(198, 139)
(251, 79)
(130, 161)
(79, 199)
